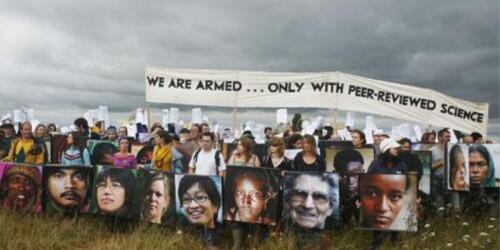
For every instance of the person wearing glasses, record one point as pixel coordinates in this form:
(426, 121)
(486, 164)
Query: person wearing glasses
(200, 201)
(115, 191)
(310, 200)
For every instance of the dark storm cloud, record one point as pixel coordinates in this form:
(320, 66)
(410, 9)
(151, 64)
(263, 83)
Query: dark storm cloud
(82, 54)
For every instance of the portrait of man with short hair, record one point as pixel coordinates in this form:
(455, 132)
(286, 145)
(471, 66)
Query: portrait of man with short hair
(67, 189)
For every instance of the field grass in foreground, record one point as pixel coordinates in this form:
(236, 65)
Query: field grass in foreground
(87, 232)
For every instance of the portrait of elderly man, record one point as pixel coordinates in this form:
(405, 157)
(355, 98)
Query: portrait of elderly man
(311, 200)
(251, 194)
(67, 188)
(388, 201)
(20, 188)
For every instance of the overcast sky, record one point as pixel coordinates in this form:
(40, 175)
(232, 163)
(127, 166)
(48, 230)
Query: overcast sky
(60, 56)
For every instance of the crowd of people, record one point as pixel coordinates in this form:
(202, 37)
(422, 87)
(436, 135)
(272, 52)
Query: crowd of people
(198, 151)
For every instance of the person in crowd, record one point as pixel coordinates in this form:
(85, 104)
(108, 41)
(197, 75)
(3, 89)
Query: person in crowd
(196, 133)
(40, 131)
(67, 189)
(275, 157)
(309, 159)
(6, 140)
(457, 172)
(378, 136)
(242, 155)
(111, 134)
(96, 132)
(310, 200)
(51, 128)
(295, 141)
(200, 201)
(166, 157)
(250, 193)
(122, 132)
(467, 140)
(268, 132)
(477, 137)
(204, 128)
(157, 205)
(114, 192)
(123, 158)
(26, 149)
(428, 138)
(348, 163)
(438, 193)
(358, 138)
(20, 189)
(412, 162)
(82, 126)
(388, 162)
(207, 160)
(75, 152)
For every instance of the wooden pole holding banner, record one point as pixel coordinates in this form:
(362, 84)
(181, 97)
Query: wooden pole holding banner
(235, 109)
(148, 113)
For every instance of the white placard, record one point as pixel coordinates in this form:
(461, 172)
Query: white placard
(88, 116)
(370, 123)
(140, 116)
(453, 136)
(418, 132)
(29, 114)
(18, 116)
(174, 115)
(34, 123)
(131, 130)
(291, 153)
(349, 120)
(196, 115)
(7, 118)
(281, 116)
(164, 117)
(103, 113)
(368, 135)
(404, 131)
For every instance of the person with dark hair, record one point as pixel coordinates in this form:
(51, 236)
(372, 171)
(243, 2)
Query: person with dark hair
(75, 152)
(413, 163)
(294, 141)
(67, 189)
(207, 160)
(358, 138)
(26, 149)
(268, 132)
(40, 131)
(249, 193)
(428, 138)
(158, 199)
(51, 128)
(381, 198)
(111, 134)
(481, 167)
(388, 162)
(114, 192)
(196, 133)
(309, 159)
(21, 189)
(457, 173)
(204, 128)
(243, 155)
(123, 158)
(200, 201)
(165, 156)
(82, 126)
(348, 163)
(477, 137)
(6, 140)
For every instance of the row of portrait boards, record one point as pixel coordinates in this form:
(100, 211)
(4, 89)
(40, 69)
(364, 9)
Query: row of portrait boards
(308, 200)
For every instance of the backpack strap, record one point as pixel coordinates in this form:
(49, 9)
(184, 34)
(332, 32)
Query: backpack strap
(217, 161)
(195, 157)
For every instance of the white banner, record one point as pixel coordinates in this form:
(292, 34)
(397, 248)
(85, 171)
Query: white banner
(224, 88)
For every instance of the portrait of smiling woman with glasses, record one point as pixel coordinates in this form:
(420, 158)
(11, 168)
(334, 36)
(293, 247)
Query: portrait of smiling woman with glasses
(199, 199)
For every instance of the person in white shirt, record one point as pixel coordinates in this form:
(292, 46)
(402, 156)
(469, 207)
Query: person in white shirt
(207, 160)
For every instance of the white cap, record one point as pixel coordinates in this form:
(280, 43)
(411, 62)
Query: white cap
(379, 132)
(387, 144)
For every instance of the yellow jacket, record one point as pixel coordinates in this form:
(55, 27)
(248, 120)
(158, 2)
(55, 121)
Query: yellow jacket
(21, 151)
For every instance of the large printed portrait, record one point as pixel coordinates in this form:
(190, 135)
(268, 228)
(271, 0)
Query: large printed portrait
(356, 158)
(425, 158)
(199, 199)
(483, 158)
(388, 202)
(311, 200)
(251, 194)
(113, 192)
(157, 196)
(67, 189)
(21, 188)
(101, 152)
(457, 167)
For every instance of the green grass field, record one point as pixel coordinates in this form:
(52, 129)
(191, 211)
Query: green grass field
(88, 232)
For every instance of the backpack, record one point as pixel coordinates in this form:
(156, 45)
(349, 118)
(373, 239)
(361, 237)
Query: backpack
(217, 159)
